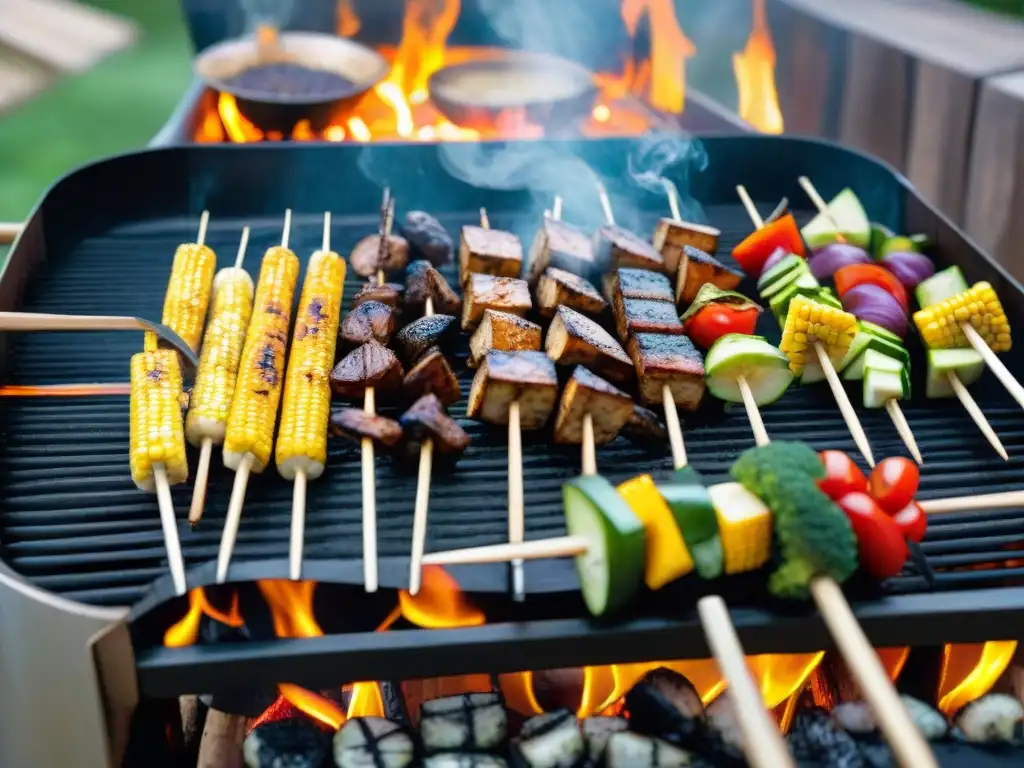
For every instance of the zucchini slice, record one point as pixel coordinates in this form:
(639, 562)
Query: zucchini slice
(881, 387)
(690, 502)
(967, 364)
(765, 368)
(940, 286)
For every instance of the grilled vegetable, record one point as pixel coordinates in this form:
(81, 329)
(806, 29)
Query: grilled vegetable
(967, 364)
(666, 555)
(870, 337)
(854, 275)
(634, 316)
(389, 293)
(558, 287)
(716, 313)
(786, 264)
(842, 475)
(574, 339)
(562, 245)
(939, 324)
(424, 333)
(626, 283)
(881, 547)
(354, 424)
(188, 292)
(941, 286)
(471, 721)
(691, 504)
(432, 375)
(671, 360)
(671, 235)
(909, 268)
(912, 521)
(808, 322)
(754, 251)
(528, 378)
(503, 332)
(371, 320)
(696, 268)
(483, 292)
(426, 419)
(156, 434)
(373, 742)
(872, 304)
(893, 483)
(551, 740)
(366, 259)
(253, 414)
(845, 212)
(302, 437)
(371, 365)
(745, 527)
(612, 568)
(616, 247)
(219, 357)
(885, 378)
(584, 393)
(427, 238)
(643, 425)
(825, 261)
(764, 367)
(423, 282)
(489, 252)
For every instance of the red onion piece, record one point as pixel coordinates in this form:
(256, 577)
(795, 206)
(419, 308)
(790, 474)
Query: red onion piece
(909, 268)
(827, 260)
(875, 305)
(777, 255)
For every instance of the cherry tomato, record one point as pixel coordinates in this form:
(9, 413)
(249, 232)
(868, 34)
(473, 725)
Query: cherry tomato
(718, 319)
(912, 521)
(893, 483)
(880, 543)
(842, 475)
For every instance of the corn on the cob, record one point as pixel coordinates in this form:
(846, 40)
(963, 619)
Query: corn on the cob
(808, 322)
(939, 324)
(156, 432)
(302, 438)
(188, 292)
(220, 356)
(745, 525)
(253, 414)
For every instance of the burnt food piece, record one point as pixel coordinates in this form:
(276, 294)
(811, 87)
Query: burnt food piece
(426, 419)
(432, 375)
(422, 334)
(371, 320)
(423, 281)
(631, 283)
(634, 316)
(558, 287)
(504, 332)
(697, 267)
(643, 424)
(427, 238)
(365, 257)
(482, 292)
(371, 365)
(671, 236)
(507, 377)
(562, 245)
(661, 360)
(616, 247)
(354, 424)
(489, 252)
(575, 339)
(586, 392)
(389, 293)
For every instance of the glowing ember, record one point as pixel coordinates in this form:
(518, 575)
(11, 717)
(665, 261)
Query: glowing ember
(969, 670)
(186, 631)
(755, 77)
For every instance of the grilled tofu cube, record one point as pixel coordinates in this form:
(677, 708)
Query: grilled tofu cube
(643, 425)
(634, 316)
(562, 245)
(616, 247)
(422, 334)
(558, 287)
(483, 292)
(696, 267)
(371, 320)
(528, 378)
(423, 281)
(673, 360)
(389, 293)
(432, 375)
(354, 424)
(489, 252)
(371, 365)
(504, 332)
(426, 420)
(586, 392)
(671, 236)
(575, 339)
(630, 283)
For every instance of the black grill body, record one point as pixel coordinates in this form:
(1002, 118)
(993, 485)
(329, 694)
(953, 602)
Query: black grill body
(101, 242)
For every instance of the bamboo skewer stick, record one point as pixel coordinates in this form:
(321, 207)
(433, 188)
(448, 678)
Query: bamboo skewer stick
(994, 363)
(195, 512)
(971, 406)
(673, 199)
(892, 407)
(419, 517)
(842, 400)
(66, 390)
(977, 503)
(753, 412)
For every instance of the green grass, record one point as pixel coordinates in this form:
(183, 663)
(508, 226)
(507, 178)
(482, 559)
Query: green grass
(117, 105)
(1010, 7)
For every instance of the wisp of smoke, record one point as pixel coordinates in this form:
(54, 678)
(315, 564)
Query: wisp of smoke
(661, 160)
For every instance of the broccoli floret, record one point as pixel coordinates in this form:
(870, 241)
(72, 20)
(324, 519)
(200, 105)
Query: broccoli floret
(814, 535)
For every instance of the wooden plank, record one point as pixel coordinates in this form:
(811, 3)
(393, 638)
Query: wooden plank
(995, 191)
(20, 78)
(876, 89)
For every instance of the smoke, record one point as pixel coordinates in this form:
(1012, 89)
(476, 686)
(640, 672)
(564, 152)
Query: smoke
(661, 161)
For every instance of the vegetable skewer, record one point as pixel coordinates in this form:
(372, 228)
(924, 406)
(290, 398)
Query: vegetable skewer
(892, 406)
(842, 400)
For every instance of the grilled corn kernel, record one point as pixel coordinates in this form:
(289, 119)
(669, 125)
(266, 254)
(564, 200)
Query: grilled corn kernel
(809, 322)
(218, 361)
(253, 414)
(302, 438)
(156, 432)
(745, 525)
(188, 292)
(939, 324)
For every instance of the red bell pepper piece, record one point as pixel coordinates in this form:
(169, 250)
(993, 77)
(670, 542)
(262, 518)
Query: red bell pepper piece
(753, 252)
(715, 320)
(872, 274)
(893, 483)
(881, 547)
(842, 475)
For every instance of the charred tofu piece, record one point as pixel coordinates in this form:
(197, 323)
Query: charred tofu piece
(427, 420)
(371, 365)
(629, 283)
(365, 257)
(503, 378)
(575, 339)
(584, 393)
(370, 320)
(483, 292)
(432, 375)
(616, 247)
(558, 287)
(422, 334)
(562, 245)
(489, 252)
(673, 360)
(696, 268)
(354, 424)
(671, 236)
(633, 316)
(643, 424)
(423, 281)
(503, 332)
(389, 293)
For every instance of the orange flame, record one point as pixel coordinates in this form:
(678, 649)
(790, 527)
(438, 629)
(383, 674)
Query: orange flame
(440, 603)
(782, 675)
(670, 48)
(969, 670)
(755, 77)
(186, 631)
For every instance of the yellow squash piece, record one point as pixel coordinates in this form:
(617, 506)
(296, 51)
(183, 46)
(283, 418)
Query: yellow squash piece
(666, 557)
(808, 322)
(188, 292)
(939, 324)
(745, 525)
(156, 433)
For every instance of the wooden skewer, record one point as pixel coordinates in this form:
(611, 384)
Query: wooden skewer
(994, 363)
(606, 204)
(556, 208)
(673, 199)
(543, 549)
(195, 512)
(971, 406)
(419, 517)
(976, 503)
(169, 523)
(842, 400)
(753, 412)
(233, 518)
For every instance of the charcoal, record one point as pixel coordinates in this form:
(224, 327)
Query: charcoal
(631, 750)
(428, 239)
(296, 742)
(373, 742)
(854, 717)
(597, 731)
(464, 760)
(815, 740)
(928, 720)
(875, 752)
(677, 689)
(722, 722)
(551, 740)
(469, 722)
(653, 713)
(993, 719)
